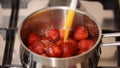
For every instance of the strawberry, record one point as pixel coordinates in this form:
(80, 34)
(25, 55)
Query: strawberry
(53, 34)
(85, 44)
(38, 47)
(45, 40)
(53, 50)
(69, 48)
(35, 43)
(73, 45)
(80, 33)
(32, 38)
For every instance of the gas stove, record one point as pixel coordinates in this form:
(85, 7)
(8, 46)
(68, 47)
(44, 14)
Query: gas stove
(13, 12)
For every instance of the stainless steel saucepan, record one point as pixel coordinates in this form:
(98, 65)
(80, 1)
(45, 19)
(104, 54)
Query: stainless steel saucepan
(40, 21)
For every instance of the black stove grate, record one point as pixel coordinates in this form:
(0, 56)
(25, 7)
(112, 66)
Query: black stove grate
(10, 33)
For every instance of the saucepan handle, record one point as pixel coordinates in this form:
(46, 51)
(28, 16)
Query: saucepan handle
(111, 34)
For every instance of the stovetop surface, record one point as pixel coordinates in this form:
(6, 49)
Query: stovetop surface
(105, 19)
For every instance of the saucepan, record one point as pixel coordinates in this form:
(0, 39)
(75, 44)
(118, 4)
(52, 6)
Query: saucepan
(40, 20)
